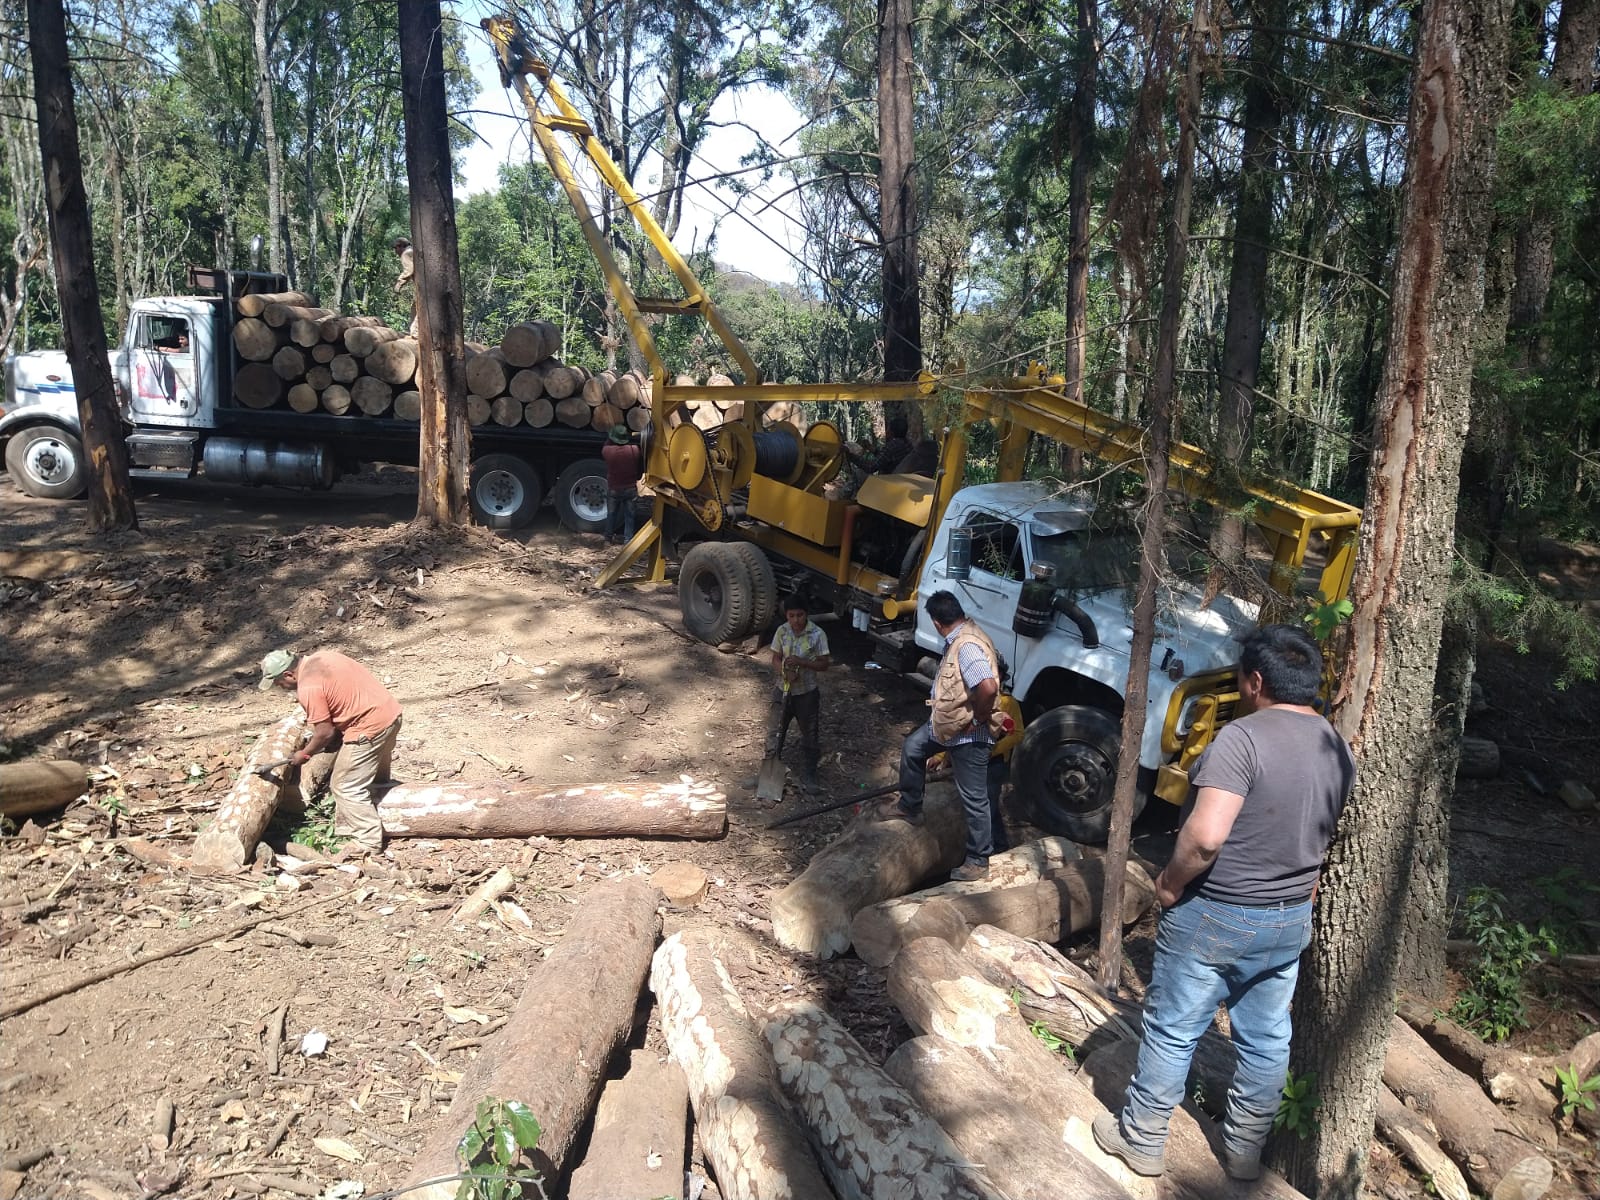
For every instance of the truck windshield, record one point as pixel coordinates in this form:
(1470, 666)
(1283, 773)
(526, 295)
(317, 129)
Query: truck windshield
(1089, 560)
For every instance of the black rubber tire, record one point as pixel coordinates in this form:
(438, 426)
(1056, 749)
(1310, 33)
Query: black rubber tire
(1064, 771)
(505, 491)
(764, 612)
(581, 496)
(67, 479)
(715, 593)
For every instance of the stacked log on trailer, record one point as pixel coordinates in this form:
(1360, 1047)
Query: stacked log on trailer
(708, 414)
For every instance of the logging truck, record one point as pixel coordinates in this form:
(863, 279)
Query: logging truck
(204, 387)
(749, 503)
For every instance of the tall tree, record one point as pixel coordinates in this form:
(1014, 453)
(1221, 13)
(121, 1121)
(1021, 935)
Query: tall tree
(1385, 696)
(897, 192)
(1081, 145)
(446, 445)
(72, 239)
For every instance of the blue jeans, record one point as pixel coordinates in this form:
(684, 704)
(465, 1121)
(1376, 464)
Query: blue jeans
(969, 763)
(1210, 953)
(620, 517)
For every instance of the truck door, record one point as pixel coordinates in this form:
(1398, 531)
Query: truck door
(990, 592)
(162, 370)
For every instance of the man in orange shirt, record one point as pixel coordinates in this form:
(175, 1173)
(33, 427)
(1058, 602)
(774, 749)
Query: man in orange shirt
(349, 711)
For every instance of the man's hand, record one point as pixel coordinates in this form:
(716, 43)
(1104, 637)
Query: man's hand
(300, 758)
(1166, 894)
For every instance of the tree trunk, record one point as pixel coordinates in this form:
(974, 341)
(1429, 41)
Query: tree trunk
(639, 1147)
(261, 19)
(1081, 146)
(229, 842)
(39, 785)
(872, 1137)
(72, 245)
(446, 438)
(745, 1127)
(553, 1054)
(870, 861)
(684, 808)
(1153, 526)
(1385, 706)
(897, 194)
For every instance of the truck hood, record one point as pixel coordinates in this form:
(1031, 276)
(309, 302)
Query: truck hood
(1205, 638)
(38, 375)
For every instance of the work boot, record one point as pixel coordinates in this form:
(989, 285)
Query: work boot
(968, 872)
(1108, 1136)
(1243, 1167)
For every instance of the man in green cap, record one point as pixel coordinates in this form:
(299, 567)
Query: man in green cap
(351, 712)
(624, 465)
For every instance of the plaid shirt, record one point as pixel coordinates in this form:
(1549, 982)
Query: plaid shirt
(811, 642)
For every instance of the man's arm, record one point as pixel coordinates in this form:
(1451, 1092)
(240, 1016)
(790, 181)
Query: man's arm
(321, 734)
(983, 695)
(1201, 836)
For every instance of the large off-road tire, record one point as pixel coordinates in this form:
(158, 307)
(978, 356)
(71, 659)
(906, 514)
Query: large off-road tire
(581, 496)
(47, 462)
(1064, 770)
(715, 593)
(764, 596)
(505, 492)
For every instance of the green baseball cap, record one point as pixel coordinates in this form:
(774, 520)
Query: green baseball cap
(273, 665)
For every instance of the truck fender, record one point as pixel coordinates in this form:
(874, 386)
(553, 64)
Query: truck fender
(30, 415)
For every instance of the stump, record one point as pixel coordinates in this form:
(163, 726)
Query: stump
(684, 808)
(229, 842)
(682, 883)
(39, 785)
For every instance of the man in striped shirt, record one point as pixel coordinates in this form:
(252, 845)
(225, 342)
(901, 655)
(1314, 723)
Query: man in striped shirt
(963, 724)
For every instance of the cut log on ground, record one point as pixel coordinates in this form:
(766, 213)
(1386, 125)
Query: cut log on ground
(527, 386)
(1472, 1130)
(978, 1109)
(229, 842)
(1418, 1143)
(873, 1138)
(371, 395)
(552, 1054)
(746, 1128)
(257, 386)
(394, 361)
(874, 932)
(684, 808)
(255, 339)
(367, 338)
(639, 1147)
(539, 413)
(281, 316)
(408, 405)
(871, 861)
(255, 305)
(303, 398)
(39, 785)
(289, 362)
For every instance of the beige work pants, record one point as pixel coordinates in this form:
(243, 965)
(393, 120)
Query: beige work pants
(356, 769)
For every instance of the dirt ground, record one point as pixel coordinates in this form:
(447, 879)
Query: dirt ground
(139, 657)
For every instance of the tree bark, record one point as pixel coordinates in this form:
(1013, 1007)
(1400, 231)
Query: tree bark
(683, 808)
(745, 1126)
(553, 1054)
(1153, 526)
(1081, 145)
(277, 222)
(446, 438)
(39, 785)
(229, 842)
(897, 194)
(72, 246)
(1418, 1142)
(1385, 695)
(873, 1138)
(869, 862)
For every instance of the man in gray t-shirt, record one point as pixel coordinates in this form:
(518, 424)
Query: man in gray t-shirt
(1237, 895)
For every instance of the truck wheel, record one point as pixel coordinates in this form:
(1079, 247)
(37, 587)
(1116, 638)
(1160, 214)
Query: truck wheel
(46, 462)
(1063, 772)
(506, 491)
(715, 593)
(764, 585)
(581, 496)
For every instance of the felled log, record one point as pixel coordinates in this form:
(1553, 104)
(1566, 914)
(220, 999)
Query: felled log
(289, 362)
(333, 328)
(486, 374)
(573, 413)
(1480, 759)
(364, 340)
(561, 382)
(1418, 1143)
(530, 342)
(873, 1138)
(539, 413)
(1523, 1083)
(408, 405)
(344, 368)
(39, 785)
(1471, 1129)
(229, 842)
(477, 411)
(552, 1054)
(255, 339)
(595, 389)
(304, 332)
(869, 862)
(257, 385)
(281, 316)
(254, 305)
(324, 352)
(625, 392)
(371, 395)
(303, 398)
(638, 418)
(506, 410)
(875, 930)
(745, 1126)
(527, 386)
(978, 1108)
(318, 377)
(639, 1147)
(685, 808)
(394, 361)
(336, 399)
(603, 417)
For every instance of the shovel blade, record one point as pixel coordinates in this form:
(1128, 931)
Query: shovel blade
(769, 783)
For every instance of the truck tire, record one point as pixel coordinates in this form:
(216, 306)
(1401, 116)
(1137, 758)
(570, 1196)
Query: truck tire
(1064, 770)
(715, 593)
(47, 462)
(764, 584)
(581, 496)
(506, 491)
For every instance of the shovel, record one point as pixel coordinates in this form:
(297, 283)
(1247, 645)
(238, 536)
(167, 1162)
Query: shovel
(769, 783)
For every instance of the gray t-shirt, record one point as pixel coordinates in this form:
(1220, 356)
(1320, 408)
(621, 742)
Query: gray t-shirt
(1295, 773)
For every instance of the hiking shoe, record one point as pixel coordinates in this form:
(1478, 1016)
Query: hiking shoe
(968, 872)
(892, 810)
(1108, 1136)
(1243, 1167)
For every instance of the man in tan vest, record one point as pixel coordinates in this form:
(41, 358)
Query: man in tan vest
(964, 724)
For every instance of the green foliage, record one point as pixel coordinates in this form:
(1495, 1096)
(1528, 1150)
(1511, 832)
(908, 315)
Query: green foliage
(315, 828)
(1055, 1043)
(501, 1133)
(1324, 618)
(1528, 616)
(1576, 1093)
(1492, 1003)
(1297, 1111)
